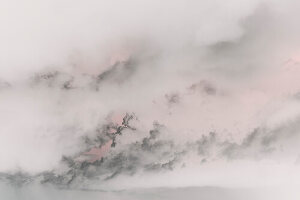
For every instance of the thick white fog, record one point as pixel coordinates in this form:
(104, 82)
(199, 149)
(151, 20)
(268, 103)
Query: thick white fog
(147, 99)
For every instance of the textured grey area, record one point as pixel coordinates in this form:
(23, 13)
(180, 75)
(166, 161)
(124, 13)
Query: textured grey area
(151, 154)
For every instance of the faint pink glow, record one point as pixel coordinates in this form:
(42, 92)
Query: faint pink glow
(283, 81)
(117, 118)
(97, 153)
(93, 66)
(120, 56)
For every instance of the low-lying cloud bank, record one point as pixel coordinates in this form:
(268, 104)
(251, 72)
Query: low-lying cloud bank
(102, 94)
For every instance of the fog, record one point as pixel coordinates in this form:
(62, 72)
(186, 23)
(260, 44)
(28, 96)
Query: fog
(138, 99)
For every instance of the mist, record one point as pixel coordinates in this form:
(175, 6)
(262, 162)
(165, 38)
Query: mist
(149, 100)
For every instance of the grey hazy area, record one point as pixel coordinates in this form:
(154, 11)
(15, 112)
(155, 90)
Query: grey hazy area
(192, 193)
(174, 95)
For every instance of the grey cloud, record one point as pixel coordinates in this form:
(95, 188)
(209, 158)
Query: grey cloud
(205, 143)
(210, 73)
(119, 72)
(53, 79)
(204, 86)
(148, 154)
(173, 98)
(115, 74)
(153, 153)
(262, 142)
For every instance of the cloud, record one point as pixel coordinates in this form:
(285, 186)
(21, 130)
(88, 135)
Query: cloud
(220, 82)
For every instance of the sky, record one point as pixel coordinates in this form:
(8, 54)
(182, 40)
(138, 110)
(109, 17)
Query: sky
(119, 95)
